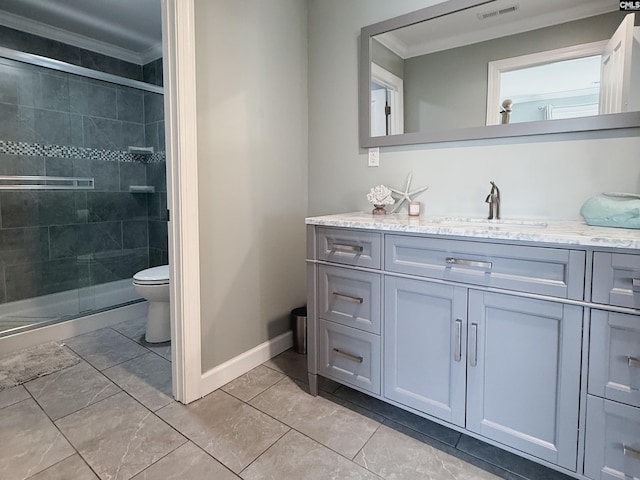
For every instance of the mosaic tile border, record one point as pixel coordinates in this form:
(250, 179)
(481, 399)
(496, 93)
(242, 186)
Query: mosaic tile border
(64, 151)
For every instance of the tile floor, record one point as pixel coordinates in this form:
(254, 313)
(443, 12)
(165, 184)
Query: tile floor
(111, 416)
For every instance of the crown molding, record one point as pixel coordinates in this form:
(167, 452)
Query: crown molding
(151, 54)
(37, 28)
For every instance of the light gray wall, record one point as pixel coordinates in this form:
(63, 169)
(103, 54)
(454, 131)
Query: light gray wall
(386, 59)
(448, 89)
(252, 160)
(539, 177)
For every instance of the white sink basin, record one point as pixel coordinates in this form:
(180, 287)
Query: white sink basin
(485, 222)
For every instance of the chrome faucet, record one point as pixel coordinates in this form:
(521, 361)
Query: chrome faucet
(493, 199)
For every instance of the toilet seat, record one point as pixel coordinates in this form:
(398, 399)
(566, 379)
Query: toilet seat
(153, 276)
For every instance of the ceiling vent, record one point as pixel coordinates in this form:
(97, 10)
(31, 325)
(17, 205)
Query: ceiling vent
(497, 13)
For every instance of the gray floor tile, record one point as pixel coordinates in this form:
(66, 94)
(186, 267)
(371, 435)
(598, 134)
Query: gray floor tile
(118, 437)
(186, 462)
(12, 395)
(253, 383)
(133, 329)
(136, 329)
(230, 430)
(327, 385)
(291, 364)
(33, 442)
(395, 453)
(71, 389)
(146, 378)
(325, 421)
(508, 461)
(163, 349)
(408, 419)
(105, 348)
(295, 456)
(71, 468)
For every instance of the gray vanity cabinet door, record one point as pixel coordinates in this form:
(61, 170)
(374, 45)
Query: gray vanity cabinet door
(424, 340)
(616, 279)
(614, 356)
(349, 247)
(523, 377)
(349, 297)
(612, 450)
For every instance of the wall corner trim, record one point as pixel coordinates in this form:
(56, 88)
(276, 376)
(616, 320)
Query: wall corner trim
(241, 364)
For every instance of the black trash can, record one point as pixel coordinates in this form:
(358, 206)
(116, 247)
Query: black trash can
(299, 327)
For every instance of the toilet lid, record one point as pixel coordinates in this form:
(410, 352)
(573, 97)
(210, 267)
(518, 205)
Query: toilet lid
(153, 276)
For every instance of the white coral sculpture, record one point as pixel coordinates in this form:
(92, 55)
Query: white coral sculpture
(380, 195)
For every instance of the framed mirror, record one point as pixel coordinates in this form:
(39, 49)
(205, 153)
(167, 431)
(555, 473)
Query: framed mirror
(470, 69)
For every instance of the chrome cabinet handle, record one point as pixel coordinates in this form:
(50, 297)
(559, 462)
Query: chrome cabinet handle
(457, 354)
(473, 345)
(468, 263)
(349, 298)
(348, 248)
(355, 358)
(633, 361)
(631, 452)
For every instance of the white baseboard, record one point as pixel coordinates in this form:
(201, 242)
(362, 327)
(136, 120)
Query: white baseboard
(71, 328)
(232, 369)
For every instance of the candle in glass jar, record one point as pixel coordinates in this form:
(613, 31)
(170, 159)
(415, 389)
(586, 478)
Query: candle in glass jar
(414, 209)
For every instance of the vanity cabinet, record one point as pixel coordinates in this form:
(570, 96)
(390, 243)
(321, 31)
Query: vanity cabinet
(349, 317)
(612, 445)
(424, 341)
(523, 375)
(502, 366)
(534, 347)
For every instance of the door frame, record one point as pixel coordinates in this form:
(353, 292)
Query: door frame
(395, 91)
(178, 49)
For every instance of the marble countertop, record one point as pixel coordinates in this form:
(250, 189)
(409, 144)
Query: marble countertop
(540, 231)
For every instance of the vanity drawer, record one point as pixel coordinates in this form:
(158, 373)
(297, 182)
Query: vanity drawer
(349, 356)
(350, 297)
(546, 271)
(612, 448)
(349, 247)
(614, 276)
(614, 357)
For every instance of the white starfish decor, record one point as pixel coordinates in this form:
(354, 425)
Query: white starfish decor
(407, 194)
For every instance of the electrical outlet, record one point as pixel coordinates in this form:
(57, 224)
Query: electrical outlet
(374, 157)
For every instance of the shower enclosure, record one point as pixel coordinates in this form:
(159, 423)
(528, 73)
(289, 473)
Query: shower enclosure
(82, 193)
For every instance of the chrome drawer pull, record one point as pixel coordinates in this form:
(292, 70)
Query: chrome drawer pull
(631, 452)
(636, 283)
(457, 354)
(633, 362)
(348, 248)
(349, 298)
(473, 345)
(355, 358)
(469, 263)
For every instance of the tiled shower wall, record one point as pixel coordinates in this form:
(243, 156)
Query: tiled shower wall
(57, 124)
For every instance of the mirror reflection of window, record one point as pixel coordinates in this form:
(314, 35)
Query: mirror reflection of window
(565, 89)
(578, 81)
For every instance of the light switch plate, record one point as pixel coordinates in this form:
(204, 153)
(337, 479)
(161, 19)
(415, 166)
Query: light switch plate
(374, 157)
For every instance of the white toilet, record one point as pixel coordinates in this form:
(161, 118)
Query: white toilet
(153, 285)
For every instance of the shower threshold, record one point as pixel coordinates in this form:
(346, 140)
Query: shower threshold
(24, 315)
